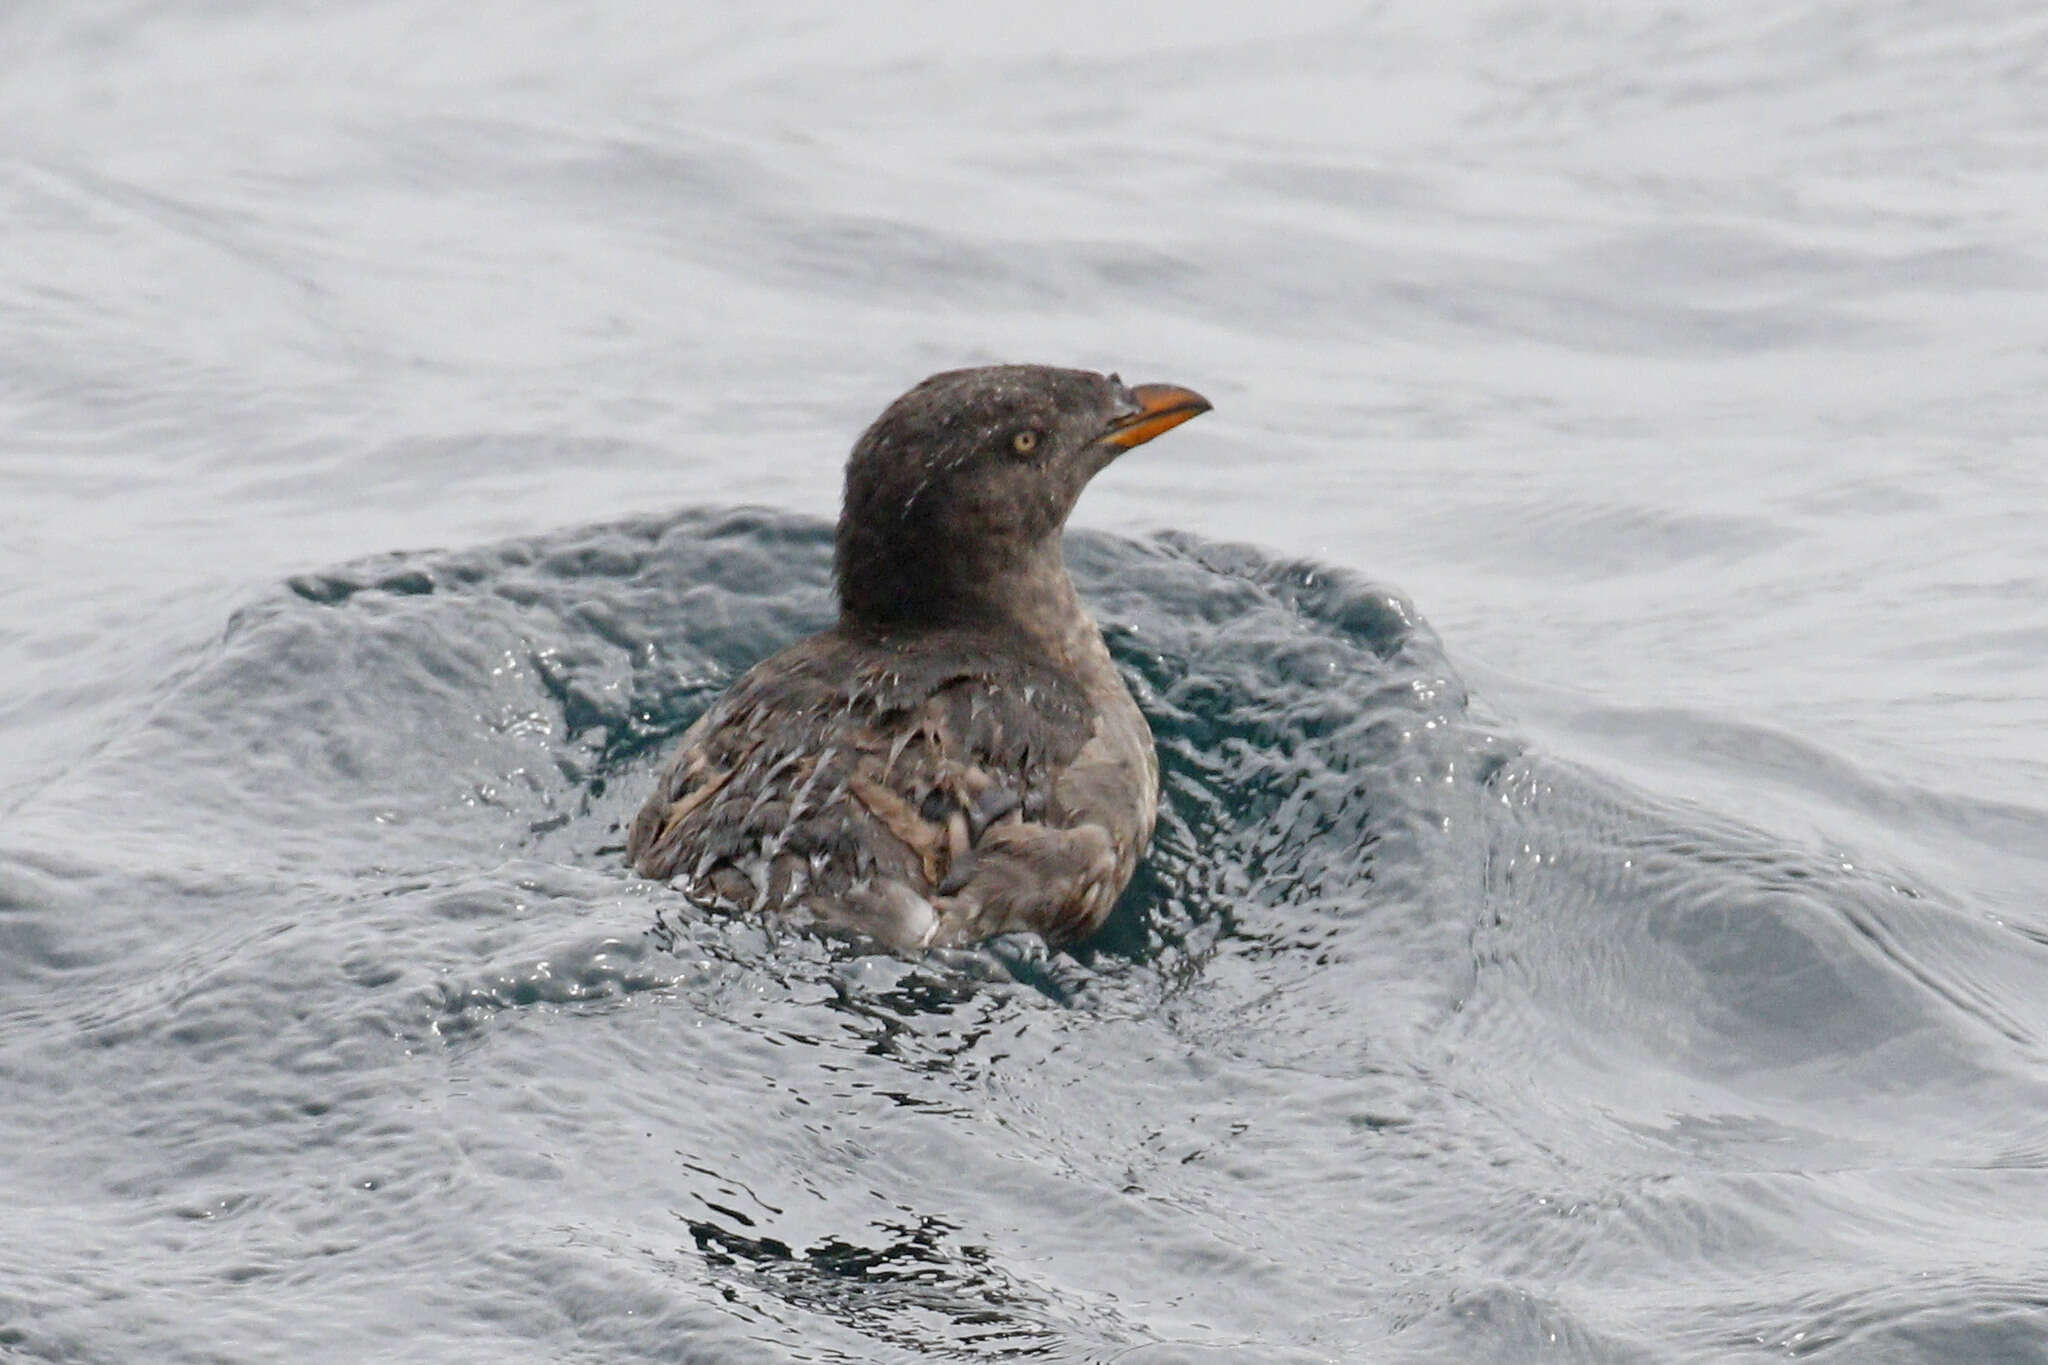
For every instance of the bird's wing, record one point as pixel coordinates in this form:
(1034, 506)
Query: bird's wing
(912, 793)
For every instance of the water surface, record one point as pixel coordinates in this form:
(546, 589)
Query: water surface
(1596, 651)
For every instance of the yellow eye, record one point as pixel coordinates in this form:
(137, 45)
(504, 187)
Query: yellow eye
(1024, 442)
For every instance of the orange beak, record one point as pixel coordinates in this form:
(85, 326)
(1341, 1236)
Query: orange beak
(1161, 408)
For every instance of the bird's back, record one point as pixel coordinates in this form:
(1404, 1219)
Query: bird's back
(925, 789)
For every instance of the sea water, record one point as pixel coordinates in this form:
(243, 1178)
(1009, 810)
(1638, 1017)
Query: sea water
(1598, 648)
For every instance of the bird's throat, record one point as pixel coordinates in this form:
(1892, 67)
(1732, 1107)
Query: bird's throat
(1029, 599)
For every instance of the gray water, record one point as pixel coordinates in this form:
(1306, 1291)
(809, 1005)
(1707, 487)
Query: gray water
(1597, 647)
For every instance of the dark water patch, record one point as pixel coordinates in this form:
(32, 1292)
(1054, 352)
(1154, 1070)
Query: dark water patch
(910, 1287)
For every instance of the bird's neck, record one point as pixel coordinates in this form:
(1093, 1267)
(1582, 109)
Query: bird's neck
(1030, 600)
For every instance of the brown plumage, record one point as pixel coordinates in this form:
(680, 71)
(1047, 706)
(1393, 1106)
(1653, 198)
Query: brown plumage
(958, 756)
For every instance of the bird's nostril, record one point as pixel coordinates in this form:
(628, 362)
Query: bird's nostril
(1125, 402)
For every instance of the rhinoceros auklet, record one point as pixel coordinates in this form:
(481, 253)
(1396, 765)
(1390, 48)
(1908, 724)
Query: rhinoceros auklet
(958, 756)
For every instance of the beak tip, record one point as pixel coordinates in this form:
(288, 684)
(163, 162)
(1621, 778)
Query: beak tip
(1161, 408)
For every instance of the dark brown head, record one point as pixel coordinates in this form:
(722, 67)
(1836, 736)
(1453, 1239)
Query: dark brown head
(956, 496)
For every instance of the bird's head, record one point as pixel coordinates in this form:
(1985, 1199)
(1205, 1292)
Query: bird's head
(959, 491)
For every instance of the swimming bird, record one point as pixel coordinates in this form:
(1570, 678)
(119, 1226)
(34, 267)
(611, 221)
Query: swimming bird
(957, 757)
